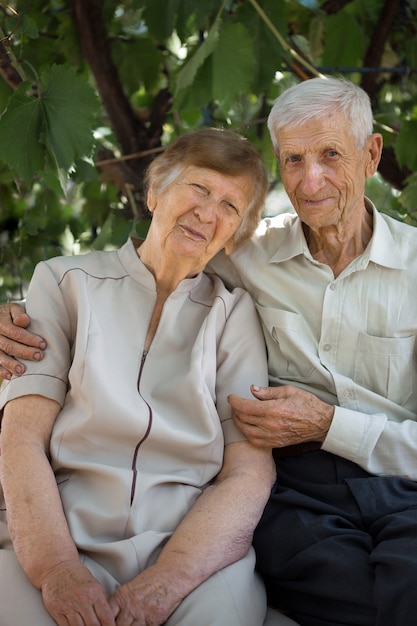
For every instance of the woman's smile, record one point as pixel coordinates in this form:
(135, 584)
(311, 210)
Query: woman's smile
(193, 233)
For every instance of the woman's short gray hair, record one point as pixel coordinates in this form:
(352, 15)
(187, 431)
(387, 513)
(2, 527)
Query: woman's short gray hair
(318, 97)
(223, 151)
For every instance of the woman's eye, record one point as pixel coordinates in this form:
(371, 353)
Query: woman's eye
(231, 207)
(199, 188)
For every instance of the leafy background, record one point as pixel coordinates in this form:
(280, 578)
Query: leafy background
(92, 90)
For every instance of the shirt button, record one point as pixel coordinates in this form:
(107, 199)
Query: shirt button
(332, 286)
(326, 347)
(347, 394)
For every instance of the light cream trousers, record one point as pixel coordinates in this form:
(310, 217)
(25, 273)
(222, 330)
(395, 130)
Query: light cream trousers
(234, 596)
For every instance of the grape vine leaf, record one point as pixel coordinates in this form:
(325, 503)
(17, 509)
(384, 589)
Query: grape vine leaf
(404, 148)
(20, 129)
(186, 75)
(52, 124)
(233, 64)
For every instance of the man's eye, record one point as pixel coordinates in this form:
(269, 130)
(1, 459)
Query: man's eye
(332, 153)
(293, 158)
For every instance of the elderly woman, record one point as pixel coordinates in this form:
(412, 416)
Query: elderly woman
(130, 496)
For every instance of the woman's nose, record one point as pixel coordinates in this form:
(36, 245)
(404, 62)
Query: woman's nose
(206, 210)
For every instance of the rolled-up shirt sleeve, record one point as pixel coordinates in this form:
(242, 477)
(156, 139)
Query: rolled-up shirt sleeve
(50, 318)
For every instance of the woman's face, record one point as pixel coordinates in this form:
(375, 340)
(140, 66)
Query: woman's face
(199, 213)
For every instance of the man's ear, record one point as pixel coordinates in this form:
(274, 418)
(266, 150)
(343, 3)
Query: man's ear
(374, 149)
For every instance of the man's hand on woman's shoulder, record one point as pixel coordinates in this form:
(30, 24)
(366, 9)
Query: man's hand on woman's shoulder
(16, 342)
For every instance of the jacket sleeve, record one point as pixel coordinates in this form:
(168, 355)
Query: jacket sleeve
(241, 359)
(50, 318)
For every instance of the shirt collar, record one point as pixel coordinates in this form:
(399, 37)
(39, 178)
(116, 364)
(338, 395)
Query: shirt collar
(294, 243)
(382, 249)
(382, 240)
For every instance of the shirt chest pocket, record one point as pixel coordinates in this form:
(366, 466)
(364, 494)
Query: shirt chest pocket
(384, 365)
(291, 346)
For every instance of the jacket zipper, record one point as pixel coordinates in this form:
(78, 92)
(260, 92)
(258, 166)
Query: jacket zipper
(145, 436)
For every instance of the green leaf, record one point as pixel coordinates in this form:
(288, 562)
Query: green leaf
(199, 95)
(316, 36)
(160, 17)
(52, 129)
(84, 171)
(187, 74)
(133, 76)
(20, 132)
(195, 15)
(408, 197)
(344, 41)
(21, 25)
(28, 26)
(225, 73)
(5, 92)
(267, 49)
(233, 64)
(70, 105)
(405, 150)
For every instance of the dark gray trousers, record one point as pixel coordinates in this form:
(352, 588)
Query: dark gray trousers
(337, 546)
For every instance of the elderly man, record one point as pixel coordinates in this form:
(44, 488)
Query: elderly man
(334, 287)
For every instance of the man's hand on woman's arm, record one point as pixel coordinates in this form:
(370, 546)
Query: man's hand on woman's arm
(16, 342)
(281, 416)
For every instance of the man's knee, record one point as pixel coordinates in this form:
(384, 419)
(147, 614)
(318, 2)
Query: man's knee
(275, 618)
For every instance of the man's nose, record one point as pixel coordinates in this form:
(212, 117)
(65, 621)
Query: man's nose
(313, 177)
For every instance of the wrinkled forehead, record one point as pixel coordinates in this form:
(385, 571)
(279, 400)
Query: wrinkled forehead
(315, 134)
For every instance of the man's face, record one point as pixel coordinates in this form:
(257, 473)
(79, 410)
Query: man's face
(323, 172)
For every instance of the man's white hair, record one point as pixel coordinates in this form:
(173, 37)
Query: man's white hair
(320, 97)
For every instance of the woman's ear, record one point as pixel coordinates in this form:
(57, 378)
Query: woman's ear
(229, 246)
(151, 200)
